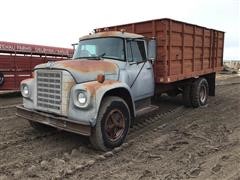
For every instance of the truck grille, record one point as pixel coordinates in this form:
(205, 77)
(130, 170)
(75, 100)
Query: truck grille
(49, 90)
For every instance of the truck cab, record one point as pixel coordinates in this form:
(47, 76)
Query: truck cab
(97, 93)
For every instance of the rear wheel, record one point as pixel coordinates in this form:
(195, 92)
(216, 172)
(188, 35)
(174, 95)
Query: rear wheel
(112, 124)
(199, 94)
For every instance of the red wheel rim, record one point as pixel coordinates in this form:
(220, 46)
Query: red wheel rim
(114, 125)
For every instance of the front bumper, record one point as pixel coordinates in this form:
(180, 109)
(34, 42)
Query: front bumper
(54, 121)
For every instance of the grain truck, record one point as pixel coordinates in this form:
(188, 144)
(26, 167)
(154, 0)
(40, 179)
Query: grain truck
(116, 71)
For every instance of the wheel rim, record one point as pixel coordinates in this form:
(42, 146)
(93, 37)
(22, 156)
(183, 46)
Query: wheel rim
(115, 125)
(203, 94)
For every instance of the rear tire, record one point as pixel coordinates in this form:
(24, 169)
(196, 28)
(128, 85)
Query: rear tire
(112, 124)
(199, 92)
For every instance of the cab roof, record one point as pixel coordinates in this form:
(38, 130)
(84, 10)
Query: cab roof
(112, 34)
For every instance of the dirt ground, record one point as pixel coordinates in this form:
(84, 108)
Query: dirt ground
(177, 143)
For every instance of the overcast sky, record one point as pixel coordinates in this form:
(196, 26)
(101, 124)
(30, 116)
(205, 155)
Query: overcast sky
(62, 22)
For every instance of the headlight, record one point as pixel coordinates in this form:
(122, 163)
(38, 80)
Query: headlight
(25, 90)
(82, 98)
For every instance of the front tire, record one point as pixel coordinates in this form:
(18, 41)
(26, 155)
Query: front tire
(112, 124)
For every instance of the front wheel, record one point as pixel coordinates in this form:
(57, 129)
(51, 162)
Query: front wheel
(112, 124)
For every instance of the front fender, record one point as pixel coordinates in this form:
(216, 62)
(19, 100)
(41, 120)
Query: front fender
(96, 93)
(111, 86)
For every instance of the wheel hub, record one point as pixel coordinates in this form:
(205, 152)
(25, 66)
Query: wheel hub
(114, 125)
(203, 94)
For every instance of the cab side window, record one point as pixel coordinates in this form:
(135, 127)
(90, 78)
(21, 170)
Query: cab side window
(129, 51)
(136, 51)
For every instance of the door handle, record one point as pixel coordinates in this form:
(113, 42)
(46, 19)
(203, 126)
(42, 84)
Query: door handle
(149, 68)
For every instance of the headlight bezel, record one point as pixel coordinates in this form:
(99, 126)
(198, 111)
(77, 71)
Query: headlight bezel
(76, 99)
(25, 88)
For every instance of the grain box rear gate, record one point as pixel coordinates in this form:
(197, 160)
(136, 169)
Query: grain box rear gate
(17, 61)
(183, 50)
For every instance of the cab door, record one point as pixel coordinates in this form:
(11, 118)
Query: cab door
(139, 69)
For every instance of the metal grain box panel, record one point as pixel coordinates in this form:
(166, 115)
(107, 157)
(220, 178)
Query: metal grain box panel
(183, 50)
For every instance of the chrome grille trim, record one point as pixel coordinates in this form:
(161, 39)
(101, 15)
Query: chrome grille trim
(49, 90)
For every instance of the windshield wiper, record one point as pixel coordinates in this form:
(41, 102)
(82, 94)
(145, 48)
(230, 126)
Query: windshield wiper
(99, 57)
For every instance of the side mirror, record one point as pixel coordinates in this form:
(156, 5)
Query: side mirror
(74, 50)
(74, 46)
(152, 47)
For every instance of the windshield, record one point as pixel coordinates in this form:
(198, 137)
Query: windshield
(112, 48)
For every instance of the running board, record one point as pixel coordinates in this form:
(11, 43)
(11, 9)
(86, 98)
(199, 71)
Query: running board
(146, 110)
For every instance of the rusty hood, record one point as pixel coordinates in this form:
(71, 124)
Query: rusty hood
(85, 70)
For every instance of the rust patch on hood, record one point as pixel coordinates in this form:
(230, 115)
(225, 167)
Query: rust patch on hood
(85, 70)
(86, 66)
